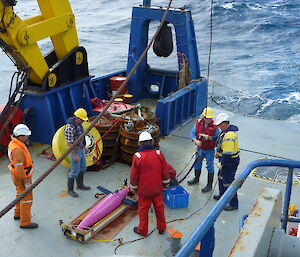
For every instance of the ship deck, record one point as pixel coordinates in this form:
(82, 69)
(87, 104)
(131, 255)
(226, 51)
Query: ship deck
(258, 138)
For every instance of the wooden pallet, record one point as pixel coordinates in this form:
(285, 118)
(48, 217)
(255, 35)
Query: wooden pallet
(118, 216)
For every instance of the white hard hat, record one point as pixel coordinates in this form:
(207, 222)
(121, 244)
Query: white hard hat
(221, 118)
(145, 136)
(21, 130)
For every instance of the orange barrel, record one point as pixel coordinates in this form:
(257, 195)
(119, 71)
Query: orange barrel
(115, 83)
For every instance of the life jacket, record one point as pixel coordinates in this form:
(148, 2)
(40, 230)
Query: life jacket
(228, 143)
(28, 166)
(209, 130)
(78, 131)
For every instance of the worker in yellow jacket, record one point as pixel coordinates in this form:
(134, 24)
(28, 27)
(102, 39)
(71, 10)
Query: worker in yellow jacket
(227, 152)
(21, 167)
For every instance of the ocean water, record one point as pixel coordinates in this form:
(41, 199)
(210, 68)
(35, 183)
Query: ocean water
(255, 61)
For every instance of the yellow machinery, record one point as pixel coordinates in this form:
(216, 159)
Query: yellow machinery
(18, 39)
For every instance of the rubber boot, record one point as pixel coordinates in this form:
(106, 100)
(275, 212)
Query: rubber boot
(71, 191)
(210, 179)
(30, 226)
(80, 184)
(217, 197)
(195, 180)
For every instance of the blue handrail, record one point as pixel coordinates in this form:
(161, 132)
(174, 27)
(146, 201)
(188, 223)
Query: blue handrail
(287, 198)
(212, 216)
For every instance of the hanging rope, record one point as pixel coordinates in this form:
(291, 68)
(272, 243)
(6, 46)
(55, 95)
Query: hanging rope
(93, 123)
(184, 72)
(210, 47)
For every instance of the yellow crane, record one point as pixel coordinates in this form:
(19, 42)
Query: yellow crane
(18, 39)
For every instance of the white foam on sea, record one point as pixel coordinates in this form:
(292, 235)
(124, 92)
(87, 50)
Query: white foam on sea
(294, 119)
(293, 97)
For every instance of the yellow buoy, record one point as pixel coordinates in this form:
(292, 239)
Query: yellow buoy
(93, 144)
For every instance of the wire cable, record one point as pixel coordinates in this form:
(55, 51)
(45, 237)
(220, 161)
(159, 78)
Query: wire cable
(210, 48)
(186, 165)
(247, 150)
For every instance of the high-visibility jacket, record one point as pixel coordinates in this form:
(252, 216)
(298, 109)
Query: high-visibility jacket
(209, 130)
(228, 144)
(149, 172)
(17, 151)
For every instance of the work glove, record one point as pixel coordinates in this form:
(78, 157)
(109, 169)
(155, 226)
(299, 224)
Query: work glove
(165, 186)
(219, 165)
(204, 136)
(131, 193)
(133, 190)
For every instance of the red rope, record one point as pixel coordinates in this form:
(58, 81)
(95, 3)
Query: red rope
(117, 121)
(98, 154)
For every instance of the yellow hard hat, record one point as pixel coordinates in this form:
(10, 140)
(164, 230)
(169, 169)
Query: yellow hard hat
(81, 114)
(208, 112)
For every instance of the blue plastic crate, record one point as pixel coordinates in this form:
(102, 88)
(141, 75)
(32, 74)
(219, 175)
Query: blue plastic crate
(176, 197)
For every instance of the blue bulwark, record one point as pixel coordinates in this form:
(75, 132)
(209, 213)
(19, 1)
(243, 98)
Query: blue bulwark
(47, 112)
(179, 107)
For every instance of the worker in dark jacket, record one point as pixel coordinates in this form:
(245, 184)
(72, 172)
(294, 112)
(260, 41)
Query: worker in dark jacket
(77, 156)
(203, 134)
(227, 153)
(149, 175)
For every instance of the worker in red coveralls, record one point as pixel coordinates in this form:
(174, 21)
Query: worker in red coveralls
(149, 175)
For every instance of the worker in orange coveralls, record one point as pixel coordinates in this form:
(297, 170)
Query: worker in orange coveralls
(149, 175)
(21, 168)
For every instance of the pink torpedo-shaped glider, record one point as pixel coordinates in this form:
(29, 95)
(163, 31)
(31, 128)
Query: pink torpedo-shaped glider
(111, 202)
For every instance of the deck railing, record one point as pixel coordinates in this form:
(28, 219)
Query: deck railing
(212, 216)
